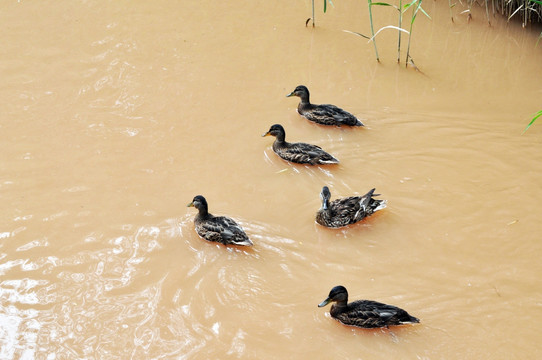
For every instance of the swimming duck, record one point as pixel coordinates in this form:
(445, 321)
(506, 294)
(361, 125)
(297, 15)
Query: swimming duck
(220, 229)
(346, 211)
(365, 313)
(298, 152)
(324, 114)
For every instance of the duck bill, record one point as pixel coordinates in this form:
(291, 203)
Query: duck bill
(190, 205)
(324, 201)
(325, 302)
(291, 94)
(266, 134)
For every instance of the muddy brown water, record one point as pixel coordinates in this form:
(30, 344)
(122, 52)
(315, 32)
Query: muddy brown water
(115, 114)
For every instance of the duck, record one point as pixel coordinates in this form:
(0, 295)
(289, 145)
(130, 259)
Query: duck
(219, 229)
(348, 210)
(365, 313)
(324, 114)
(300, 153)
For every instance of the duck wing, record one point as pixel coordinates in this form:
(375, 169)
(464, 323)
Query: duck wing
(371, 314)
(304, 153)
(224, 230)
(327, 114)
(355, 208)
(345, 211)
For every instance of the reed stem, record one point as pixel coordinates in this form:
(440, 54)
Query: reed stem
(400, 23)
(525, 13)
(414, 12)
(313, 20)
(372, 29)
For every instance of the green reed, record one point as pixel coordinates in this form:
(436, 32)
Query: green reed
(372, 28)
(535, 116)
(415, 5)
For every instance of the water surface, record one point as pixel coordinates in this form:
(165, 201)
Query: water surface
(115, 114)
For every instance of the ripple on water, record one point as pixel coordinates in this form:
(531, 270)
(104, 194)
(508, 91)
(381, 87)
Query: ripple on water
(106, 297)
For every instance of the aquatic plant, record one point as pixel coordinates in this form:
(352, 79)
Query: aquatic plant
(529, 10)
(450, 5)
(535, 116)
(418, 7)
(313, 18)
(372, 28)
(415, 5)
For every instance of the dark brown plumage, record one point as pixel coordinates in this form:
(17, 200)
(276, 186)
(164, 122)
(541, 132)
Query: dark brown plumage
(348, 210)
(365, 313)
(301, 153)
(324, 114)
(220, 229)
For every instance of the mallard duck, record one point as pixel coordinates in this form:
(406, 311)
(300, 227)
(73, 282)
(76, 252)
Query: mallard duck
(324, 114)
(365, 313)
(298, 152)
(220, 229)
(346, 211)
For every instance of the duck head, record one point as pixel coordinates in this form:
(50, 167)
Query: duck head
(300, 91)
(338, 294)
(277, 131)
(199, 203)
(325, 195)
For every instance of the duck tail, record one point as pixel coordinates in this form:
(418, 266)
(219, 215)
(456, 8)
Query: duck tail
(366, 199)
(330, 160)
(375, 204)
(380, 204)
(244, 242)
(411, 320)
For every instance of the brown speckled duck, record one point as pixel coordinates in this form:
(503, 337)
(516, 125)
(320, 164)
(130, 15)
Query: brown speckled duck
(298, 152)
(348, 210)
(219, 229)
(324, 114)
(365, 313)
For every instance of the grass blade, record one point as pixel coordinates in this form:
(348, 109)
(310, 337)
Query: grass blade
(536, 116)
(514, 13)
(388, 27)
(426, 14)
(414, 13)
(409, 5)
(356, 33)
